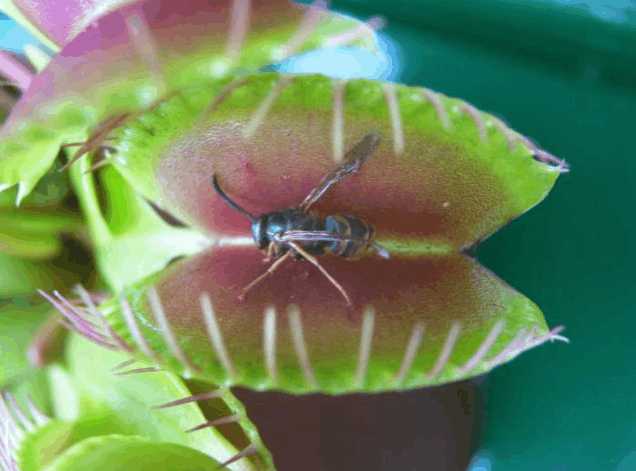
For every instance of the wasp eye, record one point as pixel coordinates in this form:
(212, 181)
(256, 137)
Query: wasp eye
(259, 234)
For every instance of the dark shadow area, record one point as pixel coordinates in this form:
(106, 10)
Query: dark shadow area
(421, 429)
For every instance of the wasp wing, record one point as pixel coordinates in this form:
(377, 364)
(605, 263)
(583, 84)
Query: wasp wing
(311, 236)
(324, 236)
(353, 160)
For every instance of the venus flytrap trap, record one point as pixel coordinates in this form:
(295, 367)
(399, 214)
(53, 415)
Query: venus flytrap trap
(59, 111)
(99, 394)
(36, 244)
(30, 236)
(444, 177)
(160, 406)
(151, 101)
(17, 422)
(133, 56)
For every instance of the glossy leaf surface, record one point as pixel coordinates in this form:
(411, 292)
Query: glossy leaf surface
(444, 177)
(445, 174)
(295, 333)
(137, 54)
(122, 451)
(21, 277)
(129, 404)
(17, 325)
(41, 446)
(59, 25)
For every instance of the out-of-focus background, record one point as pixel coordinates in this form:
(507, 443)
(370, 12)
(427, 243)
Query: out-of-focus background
(564, 74)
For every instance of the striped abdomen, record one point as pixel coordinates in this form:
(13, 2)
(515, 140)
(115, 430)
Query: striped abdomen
(359, 235)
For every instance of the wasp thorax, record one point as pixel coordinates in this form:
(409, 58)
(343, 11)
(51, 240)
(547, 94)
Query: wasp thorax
(275, 224)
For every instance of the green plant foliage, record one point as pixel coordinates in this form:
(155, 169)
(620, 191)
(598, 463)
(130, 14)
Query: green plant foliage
(153, 114)
(128, 225)
(128, 404)
(445, 171)
(40, 447)
(109, 82)
(96, 395)
(35, 234)
(122, 452)
(20, 277)
(17, 324)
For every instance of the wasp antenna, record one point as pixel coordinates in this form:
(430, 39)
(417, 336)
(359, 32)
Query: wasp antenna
(228, 200)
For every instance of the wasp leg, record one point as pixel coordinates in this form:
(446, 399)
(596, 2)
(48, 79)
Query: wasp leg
(311, 259)
(269, 271)
(269, 253)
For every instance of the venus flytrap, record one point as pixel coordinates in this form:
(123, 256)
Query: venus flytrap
(133, 56)
(34, 253)
(153, 99)
(118, 451)
(162, 407)
(444, 177)
(109, 396)
(257, 33)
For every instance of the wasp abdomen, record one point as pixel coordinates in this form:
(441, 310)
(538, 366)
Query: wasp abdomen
(358, 233)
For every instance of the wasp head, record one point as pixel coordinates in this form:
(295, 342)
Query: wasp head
(259, 232)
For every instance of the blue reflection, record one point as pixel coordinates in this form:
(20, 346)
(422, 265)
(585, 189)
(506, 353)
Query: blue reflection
(337, 62)
(346, 62)
(614, 11)
(480, 463)
(13, 37)
(628, 463)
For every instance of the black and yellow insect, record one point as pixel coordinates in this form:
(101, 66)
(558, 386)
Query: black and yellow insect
(303, 234)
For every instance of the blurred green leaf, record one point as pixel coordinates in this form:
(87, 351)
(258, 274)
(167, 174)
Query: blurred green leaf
(130, 401)
(99, 79)
(17, 326)
(130, 452)
(19, 277)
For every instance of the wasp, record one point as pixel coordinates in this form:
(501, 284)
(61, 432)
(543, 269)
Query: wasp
(303, 234)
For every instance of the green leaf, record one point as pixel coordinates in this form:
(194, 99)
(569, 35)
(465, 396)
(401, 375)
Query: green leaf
(64, 393)
(18, 323)
(20, 277)
(35, 234)
(49, 192)
(444, 177)
(100, 74)
(130, 402)
(43, 445)
(120, 452)
(46, 443)
(295, 334)
(39, 222)
(130, 225)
